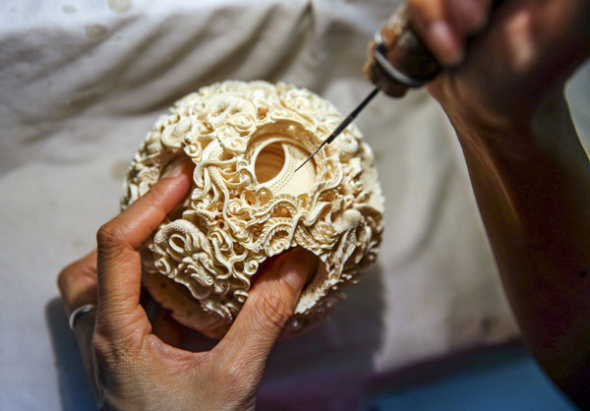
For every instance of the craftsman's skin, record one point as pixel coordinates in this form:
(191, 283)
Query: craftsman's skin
(134, 365)
(530, 176)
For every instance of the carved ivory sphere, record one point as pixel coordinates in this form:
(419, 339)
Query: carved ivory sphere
(247, 204)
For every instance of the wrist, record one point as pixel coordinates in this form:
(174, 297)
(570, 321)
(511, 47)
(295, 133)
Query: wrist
(546, 131)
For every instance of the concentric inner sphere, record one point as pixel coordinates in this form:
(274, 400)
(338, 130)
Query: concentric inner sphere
(247, 204)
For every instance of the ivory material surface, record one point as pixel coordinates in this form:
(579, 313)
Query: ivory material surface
(247, 204)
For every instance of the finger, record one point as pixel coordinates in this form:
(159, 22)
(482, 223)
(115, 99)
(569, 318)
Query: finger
(119, 262)
(442, 38)
(468, 16)
(83, 330)
(77, 283)
(269, 306)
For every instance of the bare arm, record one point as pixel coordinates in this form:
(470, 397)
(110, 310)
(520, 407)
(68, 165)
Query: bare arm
(534, 198)
(530, 174)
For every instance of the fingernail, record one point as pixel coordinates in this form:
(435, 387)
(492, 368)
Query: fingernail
(445, 44)
(298, 267)
(176, 169)
(295, 277)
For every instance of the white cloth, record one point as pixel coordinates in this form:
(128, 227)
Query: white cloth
(81, 82)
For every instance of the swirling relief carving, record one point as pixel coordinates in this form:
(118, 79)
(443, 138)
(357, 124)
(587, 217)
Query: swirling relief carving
(247, 204)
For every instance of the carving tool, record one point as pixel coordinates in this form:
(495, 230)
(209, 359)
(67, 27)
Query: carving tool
(398, 61)
(342, 125)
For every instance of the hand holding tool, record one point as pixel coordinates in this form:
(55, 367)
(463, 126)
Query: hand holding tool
(398, 60)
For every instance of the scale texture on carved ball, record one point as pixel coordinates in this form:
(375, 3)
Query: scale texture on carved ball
(247, 204)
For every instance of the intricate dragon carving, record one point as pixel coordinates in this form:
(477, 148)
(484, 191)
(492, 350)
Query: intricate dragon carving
(247, 204)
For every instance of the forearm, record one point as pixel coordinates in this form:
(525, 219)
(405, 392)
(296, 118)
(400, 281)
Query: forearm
(532, 185)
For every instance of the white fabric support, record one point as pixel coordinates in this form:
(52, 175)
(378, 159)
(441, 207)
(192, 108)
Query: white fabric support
(81, 82)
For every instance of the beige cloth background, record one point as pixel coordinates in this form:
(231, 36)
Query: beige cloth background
(81, 82)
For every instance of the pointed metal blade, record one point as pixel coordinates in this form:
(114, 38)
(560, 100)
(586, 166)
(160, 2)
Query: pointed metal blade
(342, 125)
(311, 156)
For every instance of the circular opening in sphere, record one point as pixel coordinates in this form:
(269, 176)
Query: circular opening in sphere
(269, 162)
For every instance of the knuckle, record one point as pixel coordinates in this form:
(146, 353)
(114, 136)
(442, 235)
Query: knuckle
(235, 374)
(63, 279)
(77, 283)
(274, 310)
(67, 278)
(110, 235)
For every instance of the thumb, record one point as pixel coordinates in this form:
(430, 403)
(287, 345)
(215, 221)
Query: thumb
(269, 306)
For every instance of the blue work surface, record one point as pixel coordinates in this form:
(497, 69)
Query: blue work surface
(499, 383)
(503, 379)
